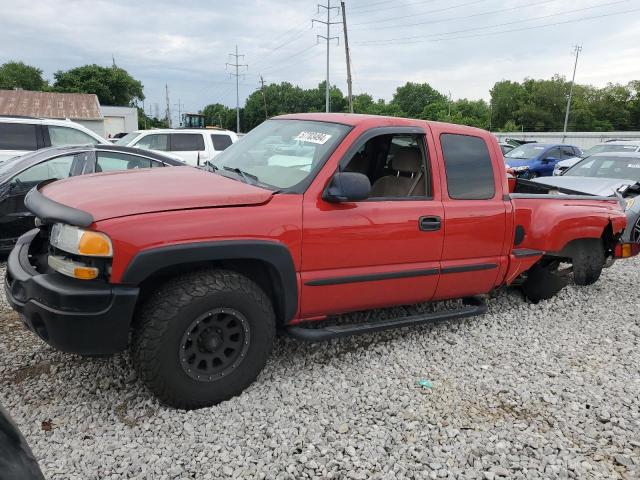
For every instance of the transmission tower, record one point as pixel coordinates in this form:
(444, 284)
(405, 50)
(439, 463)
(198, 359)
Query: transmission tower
(328, 38)
(237, 66)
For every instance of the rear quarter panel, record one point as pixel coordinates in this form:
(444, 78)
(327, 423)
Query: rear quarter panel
(551, 223)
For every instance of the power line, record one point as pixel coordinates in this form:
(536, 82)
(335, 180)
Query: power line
(237, 75)
(395, 6)
(416, 37)
(328, 38)
(278, 66)
(442, 20)
(424, 13)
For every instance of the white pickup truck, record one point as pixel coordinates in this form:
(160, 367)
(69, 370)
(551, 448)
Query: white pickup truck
(194, 146)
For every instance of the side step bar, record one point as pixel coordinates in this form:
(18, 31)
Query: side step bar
(472, 306)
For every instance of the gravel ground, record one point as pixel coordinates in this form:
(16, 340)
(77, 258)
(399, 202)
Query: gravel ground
(526, 391)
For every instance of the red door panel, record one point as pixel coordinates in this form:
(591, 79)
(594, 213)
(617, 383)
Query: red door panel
(368, 254)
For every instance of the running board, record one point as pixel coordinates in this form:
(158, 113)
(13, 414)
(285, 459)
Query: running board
(472, 306)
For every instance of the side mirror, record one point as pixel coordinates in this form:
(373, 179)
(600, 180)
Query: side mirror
(347, 187)
(550, 160)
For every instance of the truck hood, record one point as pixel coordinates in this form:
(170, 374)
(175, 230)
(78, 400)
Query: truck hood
(133, 192)
(603, 187)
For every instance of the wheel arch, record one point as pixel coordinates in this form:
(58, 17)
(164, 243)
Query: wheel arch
(268, 264)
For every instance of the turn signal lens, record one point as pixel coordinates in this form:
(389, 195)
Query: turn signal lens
(94, 244)
(85, 273)
(71, 268)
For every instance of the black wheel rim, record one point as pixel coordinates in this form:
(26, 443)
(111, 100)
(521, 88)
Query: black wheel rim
(214, 344)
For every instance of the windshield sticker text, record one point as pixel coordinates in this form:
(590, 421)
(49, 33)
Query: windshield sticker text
(313, 137)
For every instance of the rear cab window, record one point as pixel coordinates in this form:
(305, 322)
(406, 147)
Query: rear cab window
(468, 167)
(187, 142)
(18, 136)
(221, 142)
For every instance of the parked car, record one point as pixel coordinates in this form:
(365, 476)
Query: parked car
(20, 174)
(202, 269)
(608, 146)
(506, 147)
(606, 174)
(116, 136)
(195, 146)
(20, 135)
(533, 160)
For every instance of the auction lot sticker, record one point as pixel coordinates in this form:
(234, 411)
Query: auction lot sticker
(313, 137)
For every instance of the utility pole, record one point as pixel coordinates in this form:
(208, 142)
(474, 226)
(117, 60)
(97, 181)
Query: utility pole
(179, 105)
(168, 111)
(328, 38)
(264, 98)
(576, 49)
(347, 53)
(237, 75)
(449, 105)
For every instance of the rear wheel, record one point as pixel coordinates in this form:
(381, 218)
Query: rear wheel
(543, 281)
(588, 261)
(203, 338)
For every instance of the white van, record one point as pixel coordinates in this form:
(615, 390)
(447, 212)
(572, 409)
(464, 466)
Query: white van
(194, 146)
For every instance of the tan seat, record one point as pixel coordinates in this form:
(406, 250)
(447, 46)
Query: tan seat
(409, 180)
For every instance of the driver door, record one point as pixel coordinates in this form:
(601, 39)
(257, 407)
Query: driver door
(380, 251)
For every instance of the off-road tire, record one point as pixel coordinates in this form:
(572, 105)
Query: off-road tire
(588, 261)
(165, 318)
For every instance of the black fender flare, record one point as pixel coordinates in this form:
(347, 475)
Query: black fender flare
(276, 255)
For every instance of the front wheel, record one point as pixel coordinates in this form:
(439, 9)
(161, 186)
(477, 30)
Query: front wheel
(203, 338)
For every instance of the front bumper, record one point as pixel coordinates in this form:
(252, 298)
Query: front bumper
(76, 316)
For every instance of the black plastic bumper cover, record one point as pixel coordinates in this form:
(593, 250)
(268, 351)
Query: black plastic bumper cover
(75, 316)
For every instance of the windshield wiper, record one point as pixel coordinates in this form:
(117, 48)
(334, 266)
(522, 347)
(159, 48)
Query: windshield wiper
(247, 177)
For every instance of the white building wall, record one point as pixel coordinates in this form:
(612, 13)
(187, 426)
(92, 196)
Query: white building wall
(583, 140)
(119, 119)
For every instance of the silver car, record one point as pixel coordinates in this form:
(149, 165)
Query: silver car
(606, 147)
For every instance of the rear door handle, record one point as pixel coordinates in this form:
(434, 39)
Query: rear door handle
(430, 223)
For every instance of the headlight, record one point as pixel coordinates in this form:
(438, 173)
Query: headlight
(80, 242)
(520, 169)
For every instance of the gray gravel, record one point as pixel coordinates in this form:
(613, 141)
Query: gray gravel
(526, 391)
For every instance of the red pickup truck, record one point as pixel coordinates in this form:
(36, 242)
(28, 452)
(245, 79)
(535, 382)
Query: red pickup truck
(307, 216)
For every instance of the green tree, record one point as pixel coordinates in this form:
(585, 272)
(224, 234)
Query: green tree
(418, 100)
(19, 75)
(146, 122)
(112, 85)
(219, 115)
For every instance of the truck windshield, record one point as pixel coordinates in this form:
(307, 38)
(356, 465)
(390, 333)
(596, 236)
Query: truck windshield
(625, 168)
(127, 139)
(282, 153)
(524, 152)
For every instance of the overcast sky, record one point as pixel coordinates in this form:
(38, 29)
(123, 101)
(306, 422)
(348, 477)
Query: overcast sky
(461, 46)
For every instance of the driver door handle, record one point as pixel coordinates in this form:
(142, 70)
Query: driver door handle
(430, 223)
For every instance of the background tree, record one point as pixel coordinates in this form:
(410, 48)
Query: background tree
(418, 100)
(112, 85)
(145, 121)
(19, 75)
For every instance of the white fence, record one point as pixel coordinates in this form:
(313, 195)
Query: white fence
(579, 139)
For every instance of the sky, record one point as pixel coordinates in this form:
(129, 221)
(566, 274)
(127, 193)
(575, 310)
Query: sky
(458, 46)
